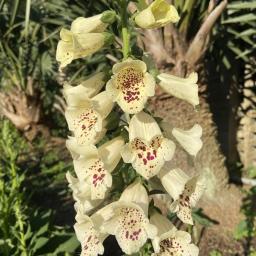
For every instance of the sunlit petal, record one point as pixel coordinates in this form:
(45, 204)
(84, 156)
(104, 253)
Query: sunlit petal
(190, 140)
(182, 88)
(89, 238)
(131, 85)
(192, 192)
(157, 14)
(169, 240)
(76, 95)
(173, 180)
(147, 150)
(136, 193)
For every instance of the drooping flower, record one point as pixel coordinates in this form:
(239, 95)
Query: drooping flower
(85, 117)
(74, 46)
(182, 88)
(88, 229)
(93, 166)
(85, 37)
(90, 239)
(147, 149)
(185, 191)
(131, 85)
(157, 14)
(130, 223)
(169, 240)
(190, 139)
(95, 24)
(82, 193)
(86, 89)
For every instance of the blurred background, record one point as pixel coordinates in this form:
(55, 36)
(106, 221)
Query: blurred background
(214, 38)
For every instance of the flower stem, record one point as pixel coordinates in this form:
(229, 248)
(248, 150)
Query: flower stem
(125, 30)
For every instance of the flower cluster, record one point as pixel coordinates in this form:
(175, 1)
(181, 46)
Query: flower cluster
(149, 149)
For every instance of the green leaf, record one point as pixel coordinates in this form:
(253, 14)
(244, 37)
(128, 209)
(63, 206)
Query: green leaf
(201, 218)
(242, 5)
(242, 18)
(241, 230)
(40, 242)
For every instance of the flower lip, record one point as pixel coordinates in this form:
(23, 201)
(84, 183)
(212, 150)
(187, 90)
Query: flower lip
(147, 149)
(131, 85)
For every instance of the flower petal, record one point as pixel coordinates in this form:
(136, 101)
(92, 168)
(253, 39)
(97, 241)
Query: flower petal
(156, 15)
(131, 85)
(190, 140)
(162, 223)
(182, 88)
(127, 153)
(83, 25)
(167, 149)
(87, 44)
(188, 199)
(109, 152)
(64, 53)
(102, 103)
(173, 181)
(131, 227)
(136, 193)
(82, 193)
(148, 158)
(164, 226)
(143, 126)
(76, 150)
(89, 239)
(138, 64)
(76, 95)
(86, 123)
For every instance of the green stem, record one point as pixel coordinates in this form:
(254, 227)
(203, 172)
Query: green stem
(125, 31)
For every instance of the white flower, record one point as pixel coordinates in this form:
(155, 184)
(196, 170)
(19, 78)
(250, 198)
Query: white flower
(82, 193)
(93, 166)
(157, 14)
(90, 239)
(148, 149)
(92, 24)
(131, 85)
(130, 223)
(190, 140)
(182, 88)
(169, 240)
(86, 89)
(85, 117)
(185, 191)
(84, 38)
(74, 46)
(173, 181)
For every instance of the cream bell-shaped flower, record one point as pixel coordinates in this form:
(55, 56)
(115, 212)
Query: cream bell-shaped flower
(82, 193)
(156, 15)
(147, 149)
(94, 24)
(169, 240)
(131, 85)
(90, 239)
(74, 46)
(88, 229)
(182, 88)
(86, 89)
(130, 223)
(185, 191)
(94, 165)
(173, 180)
(85, 117)
(190, 139)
